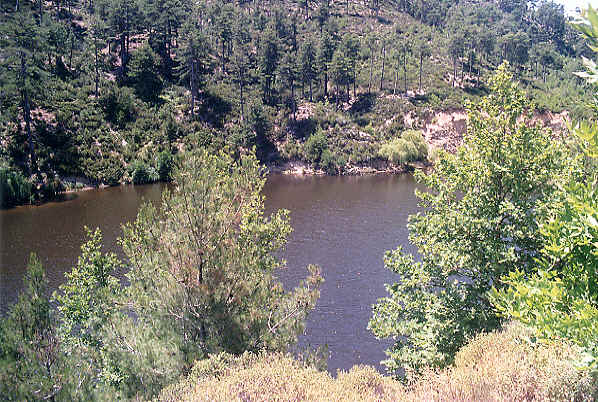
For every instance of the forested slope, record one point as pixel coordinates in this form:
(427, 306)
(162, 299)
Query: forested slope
(104, 92)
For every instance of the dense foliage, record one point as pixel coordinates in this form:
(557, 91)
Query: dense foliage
(98, 91)
(201, 280)
(480, 219)
(560, 301)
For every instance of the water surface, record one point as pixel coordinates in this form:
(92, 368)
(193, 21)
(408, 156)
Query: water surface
(343, 224)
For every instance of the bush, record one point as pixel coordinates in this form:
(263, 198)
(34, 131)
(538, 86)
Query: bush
(411, 147)
(141, 173)
(15, 189)
(165, 165)
(328, 162)
(500, 366)
(315, 145)
(118, 104)
(277, 377)
(507, 365)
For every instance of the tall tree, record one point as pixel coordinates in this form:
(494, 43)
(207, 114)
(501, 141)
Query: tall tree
(480, 220)
(193, 58)
(307, 61)
(32, 363)
(290, 75)
(324, 56)
(202, 273)
(269, 55)
(24, 74)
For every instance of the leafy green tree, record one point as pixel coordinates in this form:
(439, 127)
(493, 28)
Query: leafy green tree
(87, 302)
(480, 220)
(86, 299)
(560, 300)
(201, 276)
(242, 63)
(269, 56)
(340, 71)
(122, 18)
(370, 43)
(423, 51)
(289, 73)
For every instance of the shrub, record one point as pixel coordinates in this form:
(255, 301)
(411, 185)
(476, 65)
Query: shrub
(277, 377)
(118, 104)
(500, 366)
(15, 189)
(328, 162)
(411, 147)
(315, 145)
(507, 365)
(141, 173)
(292, 149)
(165, 165)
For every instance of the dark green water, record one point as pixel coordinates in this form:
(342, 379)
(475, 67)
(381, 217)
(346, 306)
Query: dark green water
(343, 224)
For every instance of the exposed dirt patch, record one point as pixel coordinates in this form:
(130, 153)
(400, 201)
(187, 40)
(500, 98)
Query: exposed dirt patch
(445, 129)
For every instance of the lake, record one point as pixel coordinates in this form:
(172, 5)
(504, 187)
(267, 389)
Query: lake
(343, 224)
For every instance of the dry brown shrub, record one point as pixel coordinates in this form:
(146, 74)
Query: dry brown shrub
(500, 366)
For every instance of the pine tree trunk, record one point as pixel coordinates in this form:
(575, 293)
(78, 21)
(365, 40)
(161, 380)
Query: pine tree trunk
(421, 61)
(242, 100)
(27, 114)
(405, 70)
(371, 68)
(383, 60)
(97, 77)
(293, 100)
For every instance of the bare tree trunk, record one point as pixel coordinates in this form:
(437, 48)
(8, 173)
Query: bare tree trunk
(383, 60)
(97, 77)
(405, 70)
(421, 61)
(27, 115)
(371, 67)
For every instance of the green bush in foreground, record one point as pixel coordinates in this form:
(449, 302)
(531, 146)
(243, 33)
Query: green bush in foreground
(493, 367)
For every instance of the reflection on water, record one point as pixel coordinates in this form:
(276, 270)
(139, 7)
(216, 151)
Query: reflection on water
(343, 224)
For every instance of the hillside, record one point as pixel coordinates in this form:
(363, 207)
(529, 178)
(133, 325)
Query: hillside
(110, 92)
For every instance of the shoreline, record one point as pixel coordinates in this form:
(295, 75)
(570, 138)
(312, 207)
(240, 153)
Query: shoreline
(295, 168)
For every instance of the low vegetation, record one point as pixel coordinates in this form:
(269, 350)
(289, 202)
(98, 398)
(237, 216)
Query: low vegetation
(500, 366)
